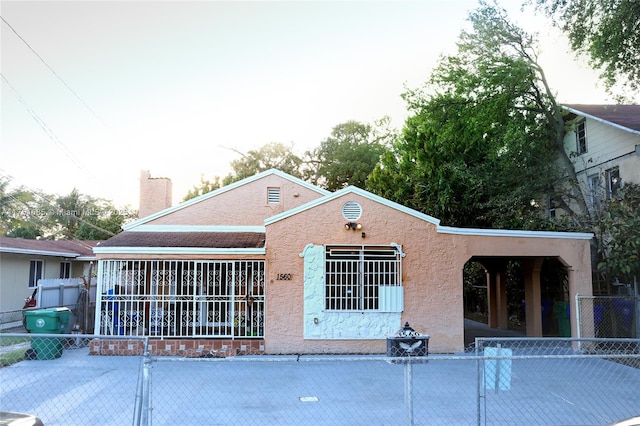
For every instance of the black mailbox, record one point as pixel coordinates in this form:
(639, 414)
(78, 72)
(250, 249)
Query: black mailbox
(407, 343)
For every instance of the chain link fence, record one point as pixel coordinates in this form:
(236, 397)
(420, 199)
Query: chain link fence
(66, 380)
(608, 316)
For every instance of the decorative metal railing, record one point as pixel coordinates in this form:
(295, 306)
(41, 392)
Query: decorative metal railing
(182, 298)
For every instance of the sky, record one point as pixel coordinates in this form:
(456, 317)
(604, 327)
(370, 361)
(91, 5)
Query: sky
(93, 92)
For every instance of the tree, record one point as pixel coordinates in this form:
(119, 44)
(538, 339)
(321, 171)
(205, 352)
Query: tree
(83, 217)
(273, 155)
(484, 134)
(608, 31)
(619, 231)
(348, 155)
(23, 212)
(67, 213)
(205, 187)
(101, 220)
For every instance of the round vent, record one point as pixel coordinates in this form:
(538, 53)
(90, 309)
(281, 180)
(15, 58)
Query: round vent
(352, 211)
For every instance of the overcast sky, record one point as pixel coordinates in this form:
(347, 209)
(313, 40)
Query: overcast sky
(117, 87)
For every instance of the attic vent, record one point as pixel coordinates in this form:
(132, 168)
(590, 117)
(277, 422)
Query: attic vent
(351, 210)
(273, 195)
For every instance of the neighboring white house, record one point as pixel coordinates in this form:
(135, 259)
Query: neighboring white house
(23, 262)
(604, 147)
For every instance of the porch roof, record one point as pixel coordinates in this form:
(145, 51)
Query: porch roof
(221, 240)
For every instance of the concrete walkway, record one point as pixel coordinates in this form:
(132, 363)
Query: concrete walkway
(79, 389)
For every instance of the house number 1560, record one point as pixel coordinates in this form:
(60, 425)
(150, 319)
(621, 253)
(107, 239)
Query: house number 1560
(283, 277)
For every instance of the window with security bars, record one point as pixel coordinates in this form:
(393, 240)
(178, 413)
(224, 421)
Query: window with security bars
(355, 275)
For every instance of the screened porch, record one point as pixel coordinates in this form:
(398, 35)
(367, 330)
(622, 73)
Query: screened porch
(181, 298)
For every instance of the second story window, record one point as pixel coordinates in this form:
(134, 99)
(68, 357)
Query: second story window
(613, 182)
(581, 138)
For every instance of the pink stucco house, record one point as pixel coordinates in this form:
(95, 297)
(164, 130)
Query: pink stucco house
(274, 264)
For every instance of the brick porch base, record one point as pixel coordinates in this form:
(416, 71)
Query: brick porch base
(192, 348)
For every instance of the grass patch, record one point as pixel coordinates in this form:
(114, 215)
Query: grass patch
(12, 340)
(12, 357)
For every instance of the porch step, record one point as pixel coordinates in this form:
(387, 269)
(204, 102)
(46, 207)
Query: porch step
(190, 348)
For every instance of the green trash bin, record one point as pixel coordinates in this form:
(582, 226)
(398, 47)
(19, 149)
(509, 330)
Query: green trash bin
(561, 313)
(47, 321)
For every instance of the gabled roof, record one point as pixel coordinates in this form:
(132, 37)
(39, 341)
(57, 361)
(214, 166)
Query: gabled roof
(59, 248)
(625, 117)
(440, 229)
(351, 190)
(222, 190)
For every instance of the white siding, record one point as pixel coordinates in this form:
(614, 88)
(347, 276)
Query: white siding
(607, 147)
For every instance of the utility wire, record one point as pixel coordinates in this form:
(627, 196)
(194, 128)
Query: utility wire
(46, 128)
(54, 73)
(53, 208)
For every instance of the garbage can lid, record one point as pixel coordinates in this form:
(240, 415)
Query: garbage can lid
(47, 312)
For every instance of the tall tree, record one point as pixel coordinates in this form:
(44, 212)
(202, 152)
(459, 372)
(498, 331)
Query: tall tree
(348, 155)
(483, 135)
(82, 217)
(608, 31)
(274, 155)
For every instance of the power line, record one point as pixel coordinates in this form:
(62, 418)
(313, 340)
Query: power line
(46, 128)
(54, 73)
(53, 207)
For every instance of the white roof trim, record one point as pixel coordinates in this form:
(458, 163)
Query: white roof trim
(129, 226)
(197, 228)
(177, 250)
(601, 120)
(514, 233)
(38, 252)
(352, 190)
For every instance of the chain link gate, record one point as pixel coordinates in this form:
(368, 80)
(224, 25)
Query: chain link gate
(66, 381)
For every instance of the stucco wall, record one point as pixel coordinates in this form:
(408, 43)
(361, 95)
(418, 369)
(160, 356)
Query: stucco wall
(432, 286)
(432, 274)
(245, 205)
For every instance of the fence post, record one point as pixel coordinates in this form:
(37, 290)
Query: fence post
(408, 392)
(480, 370)
(145, 410)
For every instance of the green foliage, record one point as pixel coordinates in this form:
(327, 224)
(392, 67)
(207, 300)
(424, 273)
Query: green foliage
(30, 214)
(348, 155)
(273, 155)
(23, 212)
(82, 217)
(205, 187)
(619, 232)
(477, 148)
(608, 31)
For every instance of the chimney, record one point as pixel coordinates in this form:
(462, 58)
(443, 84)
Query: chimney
(155, 194)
